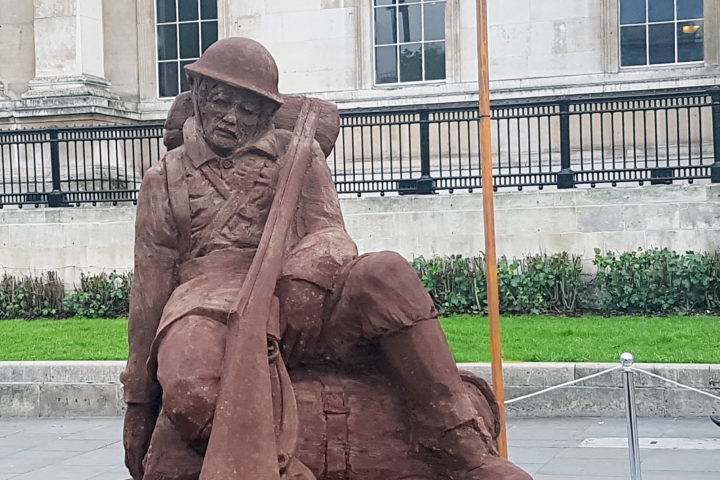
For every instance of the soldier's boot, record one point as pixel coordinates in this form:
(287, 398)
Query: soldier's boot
(447, 426)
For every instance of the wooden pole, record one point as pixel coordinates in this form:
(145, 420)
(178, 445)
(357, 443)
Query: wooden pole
(493, 295)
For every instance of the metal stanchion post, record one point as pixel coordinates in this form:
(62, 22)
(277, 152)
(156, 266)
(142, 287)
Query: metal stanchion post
(627, 360)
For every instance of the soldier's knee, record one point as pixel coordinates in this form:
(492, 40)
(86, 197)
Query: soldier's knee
(386, 268)
(189, 365)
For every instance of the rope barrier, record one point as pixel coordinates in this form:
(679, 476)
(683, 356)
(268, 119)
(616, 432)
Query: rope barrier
(640, 370)
(566, 384)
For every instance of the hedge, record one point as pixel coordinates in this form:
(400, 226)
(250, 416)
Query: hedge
(655, 281)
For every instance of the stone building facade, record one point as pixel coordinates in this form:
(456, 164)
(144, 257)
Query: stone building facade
(77, 62)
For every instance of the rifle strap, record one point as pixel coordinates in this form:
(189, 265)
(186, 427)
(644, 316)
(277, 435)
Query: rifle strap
(179, 199)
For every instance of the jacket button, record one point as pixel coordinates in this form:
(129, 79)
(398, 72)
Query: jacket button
(227, 164)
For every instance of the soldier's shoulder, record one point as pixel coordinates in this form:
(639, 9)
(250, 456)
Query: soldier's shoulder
(155, 176)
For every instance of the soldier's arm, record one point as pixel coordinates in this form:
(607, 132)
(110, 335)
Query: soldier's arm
(156, 255)
(324, 245)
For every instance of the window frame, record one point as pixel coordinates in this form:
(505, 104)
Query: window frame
(179, 60)
(675, 22)
(397, 44)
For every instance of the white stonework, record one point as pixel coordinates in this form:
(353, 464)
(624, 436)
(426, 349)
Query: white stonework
(325, 48)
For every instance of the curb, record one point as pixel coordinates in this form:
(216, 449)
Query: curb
(73, 389)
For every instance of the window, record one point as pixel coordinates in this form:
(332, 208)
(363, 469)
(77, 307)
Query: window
(185, 29)
(409, 41)
(656, 32)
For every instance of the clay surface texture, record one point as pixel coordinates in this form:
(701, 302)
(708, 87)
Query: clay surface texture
(262, 346)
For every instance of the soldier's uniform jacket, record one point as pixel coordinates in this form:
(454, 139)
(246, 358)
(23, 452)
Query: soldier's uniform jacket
(199, 222)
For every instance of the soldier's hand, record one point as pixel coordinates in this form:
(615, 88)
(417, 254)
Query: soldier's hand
(137, 430)
(301, 305)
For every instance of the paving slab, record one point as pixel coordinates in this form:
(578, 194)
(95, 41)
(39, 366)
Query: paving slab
(556, 448)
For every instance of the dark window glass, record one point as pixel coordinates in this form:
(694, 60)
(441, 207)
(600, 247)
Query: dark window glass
(165, 11)
(411, 62)
(410, 24)
(409, 1)
(633, 46)
(661, 10)
(189, 40)
(187, 10)
(184, 85)
(167, 42)
(632, 11)
(435, 21)
(168, 79)
(689, 9)
(661, 42)
(385, 26)
(384, 2)
(209, 34)
(386, 65)
(435, 61)
(690, 41)
(208, 9)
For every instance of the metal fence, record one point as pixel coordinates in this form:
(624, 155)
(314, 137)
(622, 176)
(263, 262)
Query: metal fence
(656, 137)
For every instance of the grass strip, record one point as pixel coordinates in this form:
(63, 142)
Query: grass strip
(533, 338)
(529, 338)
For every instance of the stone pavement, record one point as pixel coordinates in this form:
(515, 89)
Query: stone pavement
(548, 448)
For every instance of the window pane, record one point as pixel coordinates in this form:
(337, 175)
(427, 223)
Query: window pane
(409, 1)
(661, 39)
(690, 41)
(435, 61)
(689, 9)
(184, 85)
(168, 79)
(208, 9)
(384, 2)
(209, 34)
(410, 26)
(411, 62)
(386, 65)
(165, 11)
(385, 26)
(435, 21)
(632, 11)
(167, 42)
(661, 10)
(187, 10)
(189, 40)
(632, 46)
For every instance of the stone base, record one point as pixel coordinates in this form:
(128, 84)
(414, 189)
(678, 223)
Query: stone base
(71, 86)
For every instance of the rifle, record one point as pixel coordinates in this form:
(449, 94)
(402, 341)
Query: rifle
(242, 441)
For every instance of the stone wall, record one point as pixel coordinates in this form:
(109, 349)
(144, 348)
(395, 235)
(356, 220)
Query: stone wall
(95, 239)
(67, 389)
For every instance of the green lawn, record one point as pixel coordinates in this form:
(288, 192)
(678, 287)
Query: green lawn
(531, 338)
(679, 339)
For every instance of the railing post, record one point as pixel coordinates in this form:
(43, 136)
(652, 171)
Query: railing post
(425, 184)
(565, 177)
(715, 168)
(627, 360)
(55, 197)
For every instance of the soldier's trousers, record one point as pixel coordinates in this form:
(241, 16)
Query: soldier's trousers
(375, 295)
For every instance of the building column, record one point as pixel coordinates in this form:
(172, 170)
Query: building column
(69, 57)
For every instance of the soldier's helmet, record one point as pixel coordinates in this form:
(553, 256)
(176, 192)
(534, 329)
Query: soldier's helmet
(240, 62)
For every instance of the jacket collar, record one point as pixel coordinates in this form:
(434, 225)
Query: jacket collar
(200, 153)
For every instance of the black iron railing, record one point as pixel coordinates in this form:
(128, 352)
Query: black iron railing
(656, 137)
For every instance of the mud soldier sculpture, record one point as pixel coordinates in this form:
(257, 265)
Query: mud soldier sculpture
(219, 238)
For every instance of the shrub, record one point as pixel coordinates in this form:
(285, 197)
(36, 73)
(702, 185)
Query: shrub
(100, 296)
(658, 281)
(30, 296)
(535, 284)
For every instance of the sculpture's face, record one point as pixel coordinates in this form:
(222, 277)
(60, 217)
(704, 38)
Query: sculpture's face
(231, 117)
